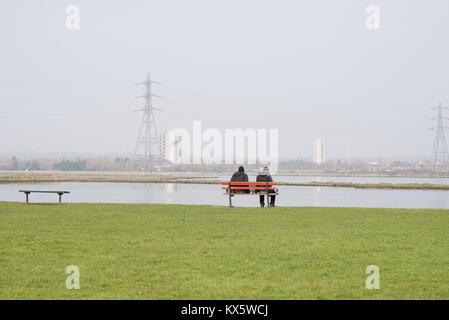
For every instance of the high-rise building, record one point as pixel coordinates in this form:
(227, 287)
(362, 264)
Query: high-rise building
(170, 147)
(318, 151)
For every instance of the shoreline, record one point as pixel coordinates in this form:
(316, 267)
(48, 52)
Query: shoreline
(139, 177)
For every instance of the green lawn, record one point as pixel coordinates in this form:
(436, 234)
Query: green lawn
(207, 252)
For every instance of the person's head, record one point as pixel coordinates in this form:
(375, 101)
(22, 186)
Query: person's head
(241, 169)
(265, 171)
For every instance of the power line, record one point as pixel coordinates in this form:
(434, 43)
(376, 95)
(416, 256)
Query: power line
(62, 85)
(59, 100)
(71, 114)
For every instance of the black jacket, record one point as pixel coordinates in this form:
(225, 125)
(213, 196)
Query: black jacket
(240, 177)
(263, 178)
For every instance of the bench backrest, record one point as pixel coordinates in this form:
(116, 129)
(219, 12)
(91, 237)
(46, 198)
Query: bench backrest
(235, 185)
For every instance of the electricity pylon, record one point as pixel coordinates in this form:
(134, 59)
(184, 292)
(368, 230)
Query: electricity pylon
(147, 143)
(439, 153)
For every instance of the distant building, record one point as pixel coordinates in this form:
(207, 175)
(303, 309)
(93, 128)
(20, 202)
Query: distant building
(170, 147)
(319, 151)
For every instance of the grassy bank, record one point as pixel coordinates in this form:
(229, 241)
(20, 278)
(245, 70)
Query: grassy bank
(84, 176)
(195, 252)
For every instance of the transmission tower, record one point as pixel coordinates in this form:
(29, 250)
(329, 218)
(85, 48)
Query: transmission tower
(439, 153)
(147, 143)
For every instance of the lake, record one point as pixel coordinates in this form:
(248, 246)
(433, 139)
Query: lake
(303, 179)
(174, 193)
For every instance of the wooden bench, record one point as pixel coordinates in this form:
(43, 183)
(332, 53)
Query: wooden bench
(27, 192)
(251, 189)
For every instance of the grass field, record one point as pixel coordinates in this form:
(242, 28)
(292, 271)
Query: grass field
(206, 252)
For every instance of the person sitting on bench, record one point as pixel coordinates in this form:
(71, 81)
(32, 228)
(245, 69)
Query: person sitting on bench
(240, 176)
(264, 176)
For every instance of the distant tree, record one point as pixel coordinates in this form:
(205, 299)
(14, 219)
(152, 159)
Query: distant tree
(66, 165)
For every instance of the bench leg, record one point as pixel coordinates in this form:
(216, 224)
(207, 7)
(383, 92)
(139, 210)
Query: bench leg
(26, 198)
(268, 195)
(230, 200)
(59, 194)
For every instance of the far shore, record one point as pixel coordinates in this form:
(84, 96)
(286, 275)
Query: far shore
(185, 178)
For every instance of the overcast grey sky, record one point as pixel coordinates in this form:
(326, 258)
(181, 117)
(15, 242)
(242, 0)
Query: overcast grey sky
(308, 68)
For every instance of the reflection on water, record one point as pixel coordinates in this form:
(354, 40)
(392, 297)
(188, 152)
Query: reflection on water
(172, 193)
(317, 196)
(169, 187)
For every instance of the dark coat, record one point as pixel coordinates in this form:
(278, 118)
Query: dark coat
(263, 178)
(240, 177)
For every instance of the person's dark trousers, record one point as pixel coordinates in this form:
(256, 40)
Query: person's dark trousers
(272, 200)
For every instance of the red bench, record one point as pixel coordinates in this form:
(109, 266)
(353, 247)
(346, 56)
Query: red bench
(252, 188)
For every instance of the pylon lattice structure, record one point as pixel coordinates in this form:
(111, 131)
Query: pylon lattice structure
(147, 143)
(439, 153)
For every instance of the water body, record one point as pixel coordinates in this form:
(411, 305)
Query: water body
(173, 193)
(302, 179)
